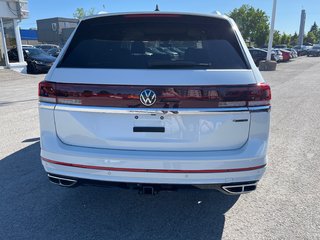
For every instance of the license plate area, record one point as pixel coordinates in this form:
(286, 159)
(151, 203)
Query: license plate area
(167, 131)
(149, 129)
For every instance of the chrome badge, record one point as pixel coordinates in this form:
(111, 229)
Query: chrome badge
(148, 97)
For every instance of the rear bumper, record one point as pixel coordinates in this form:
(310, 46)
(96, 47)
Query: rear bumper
(230, 189)
(242, 165)
(245, 164)
(156, 176)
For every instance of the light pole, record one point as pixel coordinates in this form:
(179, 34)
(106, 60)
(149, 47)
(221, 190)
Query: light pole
(274, 9)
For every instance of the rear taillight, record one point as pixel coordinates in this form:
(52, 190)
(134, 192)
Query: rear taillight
(227, 96)
(47, 92)
(259, 95)
(244, 96)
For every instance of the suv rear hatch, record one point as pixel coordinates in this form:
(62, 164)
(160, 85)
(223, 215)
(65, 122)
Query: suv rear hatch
(199, 78)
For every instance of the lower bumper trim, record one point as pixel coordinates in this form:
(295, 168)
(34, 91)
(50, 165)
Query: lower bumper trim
(152, 170)
(155, 188)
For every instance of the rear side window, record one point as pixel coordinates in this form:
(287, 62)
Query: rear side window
(157, 41)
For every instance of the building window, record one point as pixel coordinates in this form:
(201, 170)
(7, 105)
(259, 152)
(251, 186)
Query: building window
(10, 37)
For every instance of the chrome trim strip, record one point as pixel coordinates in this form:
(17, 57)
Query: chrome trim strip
(75, 108)
(62, 107)
(260, 109)
(44, 105)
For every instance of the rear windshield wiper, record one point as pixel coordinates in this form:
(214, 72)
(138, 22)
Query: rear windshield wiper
(178, 65)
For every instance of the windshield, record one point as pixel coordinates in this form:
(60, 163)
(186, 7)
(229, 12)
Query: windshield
(170, 42)
(34, 52)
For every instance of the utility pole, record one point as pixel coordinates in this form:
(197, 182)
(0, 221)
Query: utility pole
(274, 9)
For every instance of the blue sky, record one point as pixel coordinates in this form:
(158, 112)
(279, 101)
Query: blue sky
(288, 14)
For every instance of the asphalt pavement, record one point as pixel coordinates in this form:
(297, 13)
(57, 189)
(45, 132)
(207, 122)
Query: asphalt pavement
(286, 204)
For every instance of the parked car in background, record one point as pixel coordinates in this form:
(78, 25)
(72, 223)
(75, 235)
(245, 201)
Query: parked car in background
(293, 52)
(314, 51)
(166, 50)
(155, 51)
(302, 50)
(54, 52)
(27, 45)
(281, 46)
(177, 50)
(286, 55)
(47, 47)
(125, 117)
(259, 55)
(37, 60)
(277, 53)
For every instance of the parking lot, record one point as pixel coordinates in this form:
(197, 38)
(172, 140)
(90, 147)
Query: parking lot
(285, 205)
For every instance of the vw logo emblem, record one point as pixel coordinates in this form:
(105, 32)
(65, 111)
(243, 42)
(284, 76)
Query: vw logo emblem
(148, 97)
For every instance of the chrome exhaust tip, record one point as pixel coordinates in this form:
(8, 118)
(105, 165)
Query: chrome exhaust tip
(62, 181)
(239, 188)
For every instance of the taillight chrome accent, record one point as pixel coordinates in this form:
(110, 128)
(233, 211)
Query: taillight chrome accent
(124, 96)
(69, 101)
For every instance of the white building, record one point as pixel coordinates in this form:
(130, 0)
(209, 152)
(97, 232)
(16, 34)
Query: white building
(11, 12)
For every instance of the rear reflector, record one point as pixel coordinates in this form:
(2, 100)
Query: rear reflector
(167, 96)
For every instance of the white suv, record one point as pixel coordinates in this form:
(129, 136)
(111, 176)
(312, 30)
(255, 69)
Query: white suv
(155, 100)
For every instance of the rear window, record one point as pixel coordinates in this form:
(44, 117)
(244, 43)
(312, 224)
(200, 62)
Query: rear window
(154, 42)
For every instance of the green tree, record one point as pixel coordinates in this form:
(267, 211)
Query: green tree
(294, 39)
(276, 38)
(80, 13)
(316, 31)
(253, 23)
(310, 38)
(285, 39)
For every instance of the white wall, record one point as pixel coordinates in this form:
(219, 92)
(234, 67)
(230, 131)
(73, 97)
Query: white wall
(6, 12)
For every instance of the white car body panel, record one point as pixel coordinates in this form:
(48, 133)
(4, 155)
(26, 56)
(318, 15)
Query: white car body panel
(253, 153)
(183, 132)
(81, 136)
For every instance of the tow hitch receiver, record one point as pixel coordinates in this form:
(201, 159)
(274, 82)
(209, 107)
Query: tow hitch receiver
(147, 190)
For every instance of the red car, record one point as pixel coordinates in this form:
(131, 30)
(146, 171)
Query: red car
(286, 55)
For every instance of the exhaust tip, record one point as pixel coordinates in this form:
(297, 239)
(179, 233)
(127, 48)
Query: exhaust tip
(239, 188)
(62, 181)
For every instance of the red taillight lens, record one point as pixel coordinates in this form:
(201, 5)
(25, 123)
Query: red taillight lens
(259, 95)
(244, 96)
(47, 92)
(226, 96)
